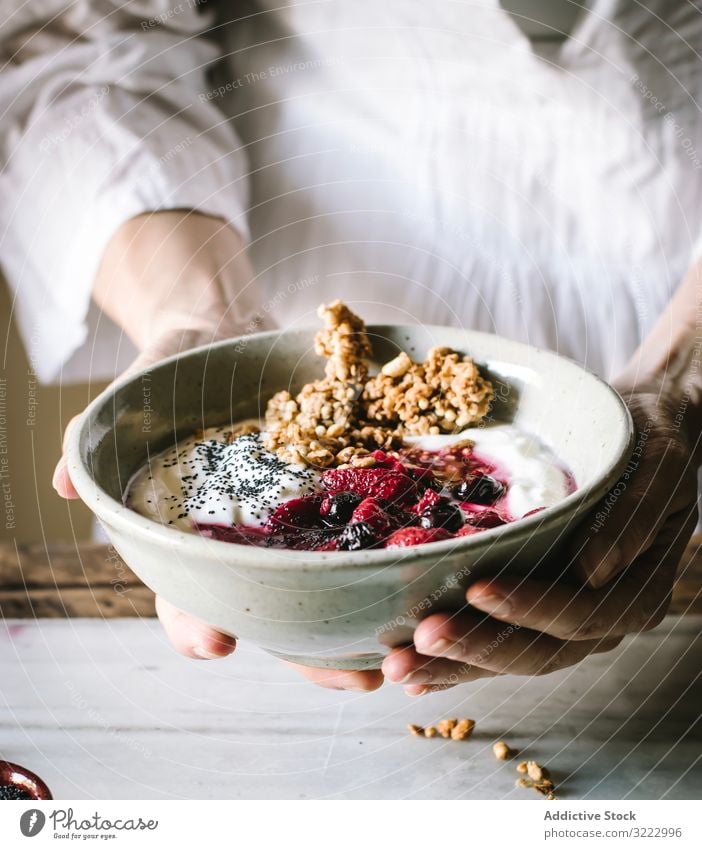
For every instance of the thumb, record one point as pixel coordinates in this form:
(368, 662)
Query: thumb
(627, 521)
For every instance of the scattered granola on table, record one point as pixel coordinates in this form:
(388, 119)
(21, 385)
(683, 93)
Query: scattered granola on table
(502, 751)
(536, 777)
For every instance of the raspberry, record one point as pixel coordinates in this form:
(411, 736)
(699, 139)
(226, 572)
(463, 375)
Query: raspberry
(357, 536)
(429, 499)
(371, 512)
(296, 513)
(374, 483)
(406, 537)
(234, 533)
(337, 509)
(386, 461)
(486, 519)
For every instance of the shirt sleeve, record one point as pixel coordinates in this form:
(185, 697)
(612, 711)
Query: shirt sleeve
(107, 113)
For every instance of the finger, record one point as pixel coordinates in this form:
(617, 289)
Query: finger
(656, 484)
(361, 680)
(500, 649)
(634, 601)
(422, 673)
(61, 481)
(191, 636)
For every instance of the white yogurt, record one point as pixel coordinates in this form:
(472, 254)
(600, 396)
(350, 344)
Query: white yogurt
(208, 480)
(533, 473)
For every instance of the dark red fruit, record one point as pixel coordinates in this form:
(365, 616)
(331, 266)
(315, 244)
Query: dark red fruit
(296, 513)
(429, 498)
(338, 509)
(316, 539)
(370, 511)
(235, 533)
(406, 537)
(357, 536)
(479, 489)
(442, 515)
(374, 483)
(486, 519)
(468, 530)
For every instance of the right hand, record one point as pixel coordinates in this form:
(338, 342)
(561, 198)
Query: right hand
(173, 281)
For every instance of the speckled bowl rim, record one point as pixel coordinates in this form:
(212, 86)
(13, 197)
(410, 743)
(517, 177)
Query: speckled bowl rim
(124, 519)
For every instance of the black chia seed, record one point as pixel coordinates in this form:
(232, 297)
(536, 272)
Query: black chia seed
(12, 791)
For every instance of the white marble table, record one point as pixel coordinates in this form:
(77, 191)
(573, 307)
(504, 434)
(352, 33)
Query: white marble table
(105, 709)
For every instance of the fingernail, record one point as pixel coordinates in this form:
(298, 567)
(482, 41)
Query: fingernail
(419, 691)
(418, 676)
(204, 654)
(439, 647)
(493, 604)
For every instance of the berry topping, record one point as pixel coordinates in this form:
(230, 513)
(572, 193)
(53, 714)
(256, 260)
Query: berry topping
(429, 499)
(371, 512)
(405, 537)
(296, 513)
(389, 484)
(479, 489)
(486, 519)
(338, 509)
(356, 536)
(468, 531)
(442, 515)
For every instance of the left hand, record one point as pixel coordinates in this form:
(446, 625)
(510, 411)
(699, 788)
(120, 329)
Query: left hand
(619, 569)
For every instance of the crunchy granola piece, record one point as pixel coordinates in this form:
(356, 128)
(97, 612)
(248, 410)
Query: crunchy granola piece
(344, 416)
(463, 729)
(537, 772)
(430, 731)
(502, 751)
(445, 393)
(397, 367)
(538, 778)
(344, 342)
(416, 730)
(446, 726)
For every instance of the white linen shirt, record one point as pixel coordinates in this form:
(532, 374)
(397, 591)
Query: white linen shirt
(420, 160)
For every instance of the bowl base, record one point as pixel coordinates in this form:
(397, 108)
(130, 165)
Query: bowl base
(355, 662)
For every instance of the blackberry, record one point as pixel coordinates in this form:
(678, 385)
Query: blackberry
(357, 536)
(341, 507)
(442, 515)
(479, 489)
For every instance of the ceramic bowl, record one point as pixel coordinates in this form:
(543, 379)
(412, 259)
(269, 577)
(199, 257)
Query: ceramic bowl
(335, 609)
(26, 782)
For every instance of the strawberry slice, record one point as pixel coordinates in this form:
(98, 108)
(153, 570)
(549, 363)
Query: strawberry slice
(429, 498)
(388, 484)
(371, 511)
(405, 537)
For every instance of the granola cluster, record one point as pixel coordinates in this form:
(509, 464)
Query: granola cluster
(344, 416)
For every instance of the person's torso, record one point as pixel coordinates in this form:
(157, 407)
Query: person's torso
(424, 160)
